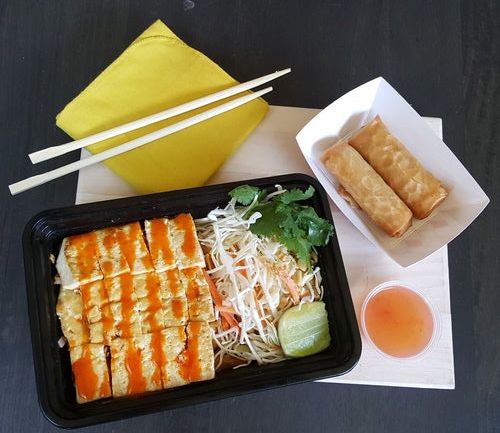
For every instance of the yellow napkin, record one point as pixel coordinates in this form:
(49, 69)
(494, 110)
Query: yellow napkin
(155, 72)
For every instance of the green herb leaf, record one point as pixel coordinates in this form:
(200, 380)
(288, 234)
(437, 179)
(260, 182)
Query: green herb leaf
(268, 223)
(299, 228)
(295, 194)
(299, 246)
(318, 229)
(244, 194)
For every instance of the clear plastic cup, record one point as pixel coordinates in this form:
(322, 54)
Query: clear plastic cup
(436, 323)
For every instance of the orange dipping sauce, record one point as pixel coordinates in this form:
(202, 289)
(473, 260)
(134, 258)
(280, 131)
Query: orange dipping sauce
(398, 321)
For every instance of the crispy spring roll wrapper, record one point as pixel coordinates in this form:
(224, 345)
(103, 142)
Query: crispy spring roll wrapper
(367, 189)
(418, 188)
(347, 197)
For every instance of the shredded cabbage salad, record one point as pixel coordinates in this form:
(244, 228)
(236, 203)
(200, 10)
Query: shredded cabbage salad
(254, 280)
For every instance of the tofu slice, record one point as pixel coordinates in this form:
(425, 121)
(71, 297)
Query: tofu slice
(152, 320)
(133, 247)
(200, 303)
(187, 248)
(188, 353)
(173, 341)
(111, 258)
(69, 309)
(197, 361)
(94, 297)
(171, 284)
(148, 304)
(90, 372)
(136, 364)
(156, 312)
(104, 330)
(160, 247)
(175, 311)
(145, 284)
(126, 319)
(77, 262)
(121, 288)
(66, 277)
(151, 313)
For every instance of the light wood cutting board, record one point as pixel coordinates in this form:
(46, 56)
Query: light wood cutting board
(272, 150)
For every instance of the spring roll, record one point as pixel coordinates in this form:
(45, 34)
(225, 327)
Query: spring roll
(367, 189)
(418, 188)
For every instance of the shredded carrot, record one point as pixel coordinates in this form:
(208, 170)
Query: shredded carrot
(227, 313)
(231, 322)
(242, 271)
(290, 284)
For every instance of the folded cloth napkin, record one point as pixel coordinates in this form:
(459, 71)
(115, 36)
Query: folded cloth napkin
(155, 72)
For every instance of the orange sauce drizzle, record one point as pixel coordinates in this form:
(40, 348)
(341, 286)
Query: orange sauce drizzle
(105, 390)
(190, 366)
(177, 308)
(85, 377)
(154, 301)
(127, 304)
(184, 222)
(131, 242)
(107, 322)
(173, 282)
(106, 316)
(153, 286)
(86, 299)
(86, 254)
(109, 239)
(136, 380)
(137, 238)
(157, 357)
(127, 245)
(107, 242)
(193, 288)
(85, 332)
(160, 242)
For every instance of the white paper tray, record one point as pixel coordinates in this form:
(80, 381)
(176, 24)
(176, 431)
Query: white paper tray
(272, 150)
(349, 113)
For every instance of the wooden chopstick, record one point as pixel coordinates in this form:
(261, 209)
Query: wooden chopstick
(40, 179)
(52, 152)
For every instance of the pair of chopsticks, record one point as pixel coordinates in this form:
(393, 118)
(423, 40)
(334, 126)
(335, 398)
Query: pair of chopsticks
(54, 151)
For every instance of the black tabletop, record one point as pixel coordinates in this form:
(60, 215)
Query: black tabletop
(443, 57)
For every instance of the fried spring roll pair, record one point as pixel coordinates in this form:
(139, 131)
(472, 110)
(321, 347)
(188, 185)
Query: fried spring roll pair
(381, 176)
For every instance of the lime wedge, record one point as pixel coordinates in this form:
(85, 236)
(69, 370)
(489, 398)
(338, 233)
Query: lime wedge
(303, 330)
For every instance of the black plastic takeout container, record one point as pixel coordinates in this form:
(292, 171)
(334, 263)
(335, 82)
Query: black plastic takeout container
(42, 237)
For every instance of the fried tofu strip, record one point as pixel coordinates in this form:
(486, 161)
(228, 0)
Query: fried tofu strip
(198, 295)
(160, 245)
(198, 358)
(173, 343)
(171, 284)
(90, 372)
(136, 364)
(185, 242)
(133, 247)
(69, 309)
(110, 255)
(77, 262)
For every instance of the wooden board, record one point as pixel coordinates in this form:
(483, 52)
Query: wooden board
(272, 150)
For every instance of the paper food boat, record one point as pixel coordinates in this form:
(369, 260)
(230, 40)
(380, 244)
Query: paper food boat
(347, 114)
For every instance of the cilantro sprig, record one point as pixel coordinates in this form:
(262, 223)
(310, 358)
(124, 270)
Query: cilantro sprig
(298, 227)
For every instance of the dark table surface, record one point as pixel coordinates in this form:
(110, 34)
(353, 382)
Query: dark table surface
(443, 57)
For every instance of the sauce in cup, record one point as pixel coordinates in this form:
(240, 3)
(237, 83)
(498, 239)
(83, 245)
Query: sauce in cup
(398, 320)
